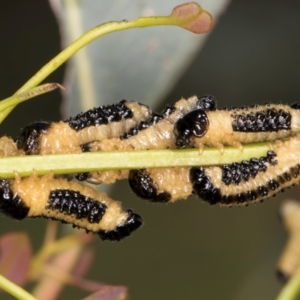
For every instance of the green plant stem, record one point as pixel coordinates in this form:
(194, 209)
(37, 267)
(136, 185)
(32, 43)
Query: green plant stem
(14, 290)
(17, 98)
(117, 160)
(87, 38)
(8, 104)
(291, 290)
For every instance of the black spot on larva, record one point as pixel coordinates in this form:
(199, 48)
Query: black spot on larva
(100, 116)
(252, 195)
(241, 198)
(203, 186)
(85, 147)
(264, 120)
(295, 171)
(280, 179)
(287, 176)
(83, 176)
(273, 185)
(195, 123)
(152, 120)
(263, 191)
(168, 110)
(10, 203)
(207, 103)
(133, 222)
(295, 106)
(73, 203)
(243, 171)
(143, 186)
(29, 139)
(271, 158)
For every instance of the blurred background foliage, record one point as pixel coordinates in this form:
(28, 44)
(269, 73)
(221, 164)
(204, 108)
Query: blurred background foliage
(187, 250)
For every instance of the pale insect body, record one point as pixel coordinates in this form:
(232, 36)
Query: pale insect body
(69, 202)
(172, 184)
(238, 126)
(289, 261)
(282, 171)
(71, 135)
(8, 147)
(161, 185)
(155, 133)
(236, 184)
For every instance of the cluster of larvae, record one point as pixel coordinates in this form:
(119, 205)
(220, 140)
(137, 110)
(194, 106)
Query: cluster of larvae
(128, 125)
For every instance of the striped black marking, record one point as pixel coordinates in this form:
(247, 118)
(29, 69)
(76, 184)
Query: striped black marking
(237, 172)
(153, 119)
(100, 115)
(73, 203)
(203, 187)
(265, 120)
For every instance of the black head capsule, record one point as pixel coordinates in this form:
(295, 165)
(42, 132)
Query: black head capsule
(143, 186)
(207, 103)
(295, 106)
(30, 137)
(195, 124)
(133, 222)
(11, 204)
(203, 186)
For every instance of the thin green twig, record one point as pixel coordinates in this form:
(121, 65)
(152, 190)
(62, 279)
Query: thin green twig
(117, 160)
(14, 289)
(178, 19)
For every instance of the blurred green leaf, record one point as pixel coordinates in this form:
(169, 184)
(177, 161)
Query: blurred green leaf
(138, 64)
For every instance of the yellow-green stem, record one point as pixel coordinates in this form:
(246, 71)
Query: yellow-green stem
(6, 105)
(116, 160)
(14, 289)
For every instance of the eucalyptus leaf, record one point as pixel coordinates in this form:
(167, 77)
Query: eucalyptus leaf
(138, 64)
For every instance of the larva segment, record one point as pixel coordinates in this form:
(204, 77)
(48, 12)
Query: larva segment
(171, 184)
(161, 185)
(69, 202)
(235, 184)
(8, 147)
(96, 124)
(154, 133)
(278, 173)
(289, 261)
(238, 126)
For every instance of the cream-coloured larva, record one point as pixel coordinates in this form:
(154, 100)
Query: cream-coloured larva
(237, 126)
(71, 135)
(122, 126)
(239, 183)
(69, 202)
(289, 261)
(155, 133)
(8, 147)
